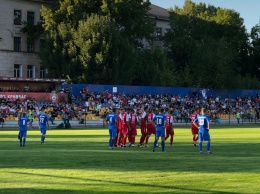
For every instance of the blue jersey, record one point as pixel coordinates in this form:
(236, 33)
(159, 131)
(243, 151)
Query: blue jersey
(23, 123)
(43, 120)
(160, 120)
(203, 122)
(112, 118)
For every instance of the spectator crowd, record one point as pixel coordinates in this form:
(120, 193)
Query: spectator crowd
(100, 104)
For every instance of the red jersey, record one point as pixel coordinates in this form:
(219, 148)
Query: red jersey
(150, 120)
(133, 120)
(144, 120)
(119, 121)
(169, 120)
(125, 119)
(193, 117)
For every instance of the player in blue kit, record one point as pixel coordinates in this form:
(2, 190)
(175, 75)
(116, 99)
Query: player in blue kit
(202, 123)
(43, 125)
(23, 122)
(112, 124)
(160, 123)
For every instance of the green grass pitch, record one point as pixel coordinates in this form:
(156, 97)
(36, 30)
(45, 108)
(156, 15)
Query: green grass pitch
(79, 161)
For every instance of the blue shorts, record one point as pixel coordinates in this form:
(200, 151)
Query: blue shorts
(43, 130)
(160, 132)
(23, 133)
(204, 136)
(112, 133)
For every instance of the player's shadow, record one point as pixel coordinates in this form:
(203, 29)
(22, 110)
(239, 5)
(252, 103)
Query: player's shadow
(124, 183)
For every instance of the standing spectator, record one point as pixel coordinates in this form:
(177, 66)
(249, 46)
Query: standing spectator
(238, 116)
(30, 115)
(26, 88)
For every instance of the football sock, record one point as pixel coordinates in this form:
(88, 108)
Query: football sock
(129, 139)
(200, 146)
(193, 138)
(147, 139)
(142, 139)
(155, 143)
(196, 138)
(111, 143)
(163, 145)
(21, 141)
(24, 140)
(42, 138)
(115, 140)
(208, 146)
(133, 140)
(171, 140)
(119, 140)
(123, 140)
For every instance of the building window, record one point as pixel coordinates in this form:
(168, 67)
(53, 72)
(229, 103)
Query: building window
(43, 72)
(17, 44)
(17, 70)
(158, 34)
(30, 71)
(17, 17)
(41, 19)
(30, 17)
(30, 46)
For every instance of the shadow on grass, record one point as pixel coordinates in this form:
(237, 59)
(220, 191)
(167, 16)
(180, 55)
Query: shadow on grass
(183, 157)
(124, 183)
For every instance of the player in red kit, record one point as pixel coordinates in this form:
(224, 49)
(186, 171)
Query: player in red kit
(132, 133)
(150, 126)
(125, 127)
(194, 128)
(119, 129)
(169, 127)
(143, 127)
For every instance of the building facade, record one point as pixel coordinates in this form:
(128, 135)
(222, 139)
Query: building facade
(161, 16)
(18, 58)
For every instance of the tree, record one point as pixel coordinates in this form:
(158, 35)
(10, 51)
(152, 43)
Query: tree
(208, 39)
(154, 69)
(94, 41)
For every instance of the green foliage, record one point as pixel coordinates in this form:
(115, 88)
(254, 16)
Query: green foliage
(33, 31)
(95, 41)
(154, 69)
(101, 42)
(211, 46)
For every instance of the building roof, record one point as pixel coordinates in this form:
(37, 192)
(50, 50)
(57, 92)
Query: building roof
(44, 1)
(158, 12)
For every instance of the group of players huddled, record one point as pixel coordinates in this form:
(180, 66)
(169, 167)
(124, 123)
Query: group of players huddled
(122, 125)
(25, 120)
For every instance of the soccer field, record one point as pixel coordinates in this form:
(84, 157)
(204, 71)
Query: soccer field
(79, 161)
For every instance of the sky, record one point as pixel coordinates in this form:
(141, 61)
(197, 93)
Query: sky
(248, 9)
